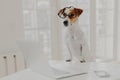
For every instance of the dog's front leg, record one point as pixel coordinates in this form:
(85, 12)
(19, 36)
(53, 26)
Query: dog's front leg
(82, 60)
(70, 52)
(68, 41)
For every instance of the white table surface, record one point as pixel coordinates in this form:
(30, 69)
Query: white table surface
(112, 69)
(26, 74)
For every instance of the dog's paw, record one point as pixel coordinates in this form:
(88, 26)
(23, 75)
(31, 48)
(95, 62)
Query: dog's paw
(69, 60)
(82, 61)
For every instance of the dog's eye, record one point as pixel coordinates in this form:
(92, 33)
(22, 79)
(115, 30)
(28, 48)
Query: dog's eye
(72, 15)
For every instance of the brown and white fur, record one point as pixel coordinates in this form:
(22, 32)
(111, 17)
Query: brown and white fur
(75, 40)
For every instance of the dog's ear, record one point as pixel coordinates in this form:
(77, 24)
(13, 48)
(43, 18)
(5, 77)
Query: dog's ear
(78, 11)
(61, 13)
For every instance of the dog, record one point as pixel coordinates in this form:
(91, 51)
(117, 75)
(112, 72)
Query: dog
(75, 41)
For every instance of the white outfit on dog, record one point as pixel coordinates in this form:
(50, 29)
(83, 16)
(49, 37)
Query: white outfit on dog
(76, 42)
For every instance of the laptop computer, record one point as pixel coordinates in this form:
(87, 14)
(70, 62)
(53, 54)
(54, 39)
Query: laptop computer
(38, 62)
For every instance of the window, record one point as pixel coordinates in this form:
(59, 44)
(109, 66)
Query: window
(104, 29)
(37, 23)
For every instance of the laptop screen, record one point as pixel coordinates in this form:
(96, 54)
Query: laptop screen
(36, 60)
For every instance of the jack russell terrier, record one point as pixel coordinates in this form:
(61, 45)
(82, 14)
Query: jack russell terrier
(74, 36)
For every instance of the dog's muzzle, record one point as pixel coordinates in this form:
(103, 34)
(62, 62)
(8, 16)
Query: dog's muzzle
(65, 23)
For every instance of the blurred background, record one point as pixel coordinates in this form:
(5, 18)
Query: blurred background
(100, 23)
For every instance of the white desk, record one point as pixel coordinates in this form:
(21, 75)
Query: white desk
(112, 69)
(26, 74)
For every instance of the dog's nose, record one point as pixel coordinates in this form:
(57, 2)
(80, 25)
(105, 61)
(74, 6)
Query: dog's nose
(65, 23)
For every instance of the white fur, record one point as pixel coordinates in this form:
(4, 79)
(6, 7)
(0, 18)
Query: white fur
(67, 11)
(74, 39)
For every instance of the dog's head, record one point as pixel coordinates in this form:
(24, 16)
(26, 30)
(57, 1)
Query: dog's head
(71, 14)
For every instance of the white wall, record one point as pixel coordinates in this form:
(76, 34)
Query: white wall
(11, 23)
(118, 50)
